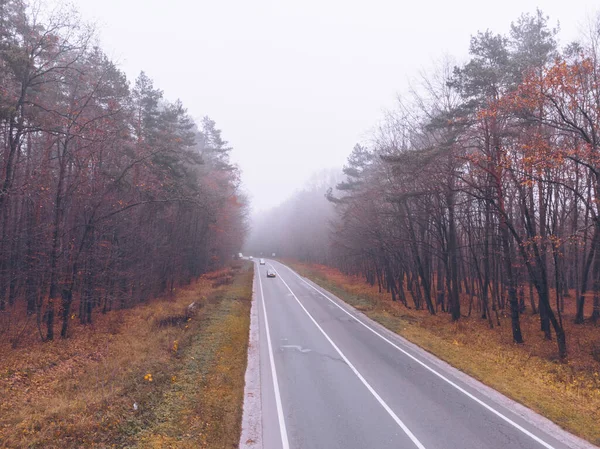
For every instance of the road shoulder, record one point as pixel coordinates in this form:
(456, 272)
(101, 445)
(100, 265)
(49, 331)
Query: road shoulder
(251, 436)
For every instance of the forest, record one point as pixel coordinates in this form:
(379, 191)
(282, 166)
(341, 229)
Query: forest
(478, 193)
(110, 194)
(452, 262)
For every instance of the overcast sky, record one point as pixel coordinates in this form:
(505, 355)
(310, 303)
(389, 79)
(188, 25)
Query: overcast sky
(294, 85)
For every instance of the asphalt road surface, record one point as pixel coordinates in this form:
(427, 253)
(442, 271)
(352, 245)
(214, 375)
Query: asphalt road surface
(330, 379)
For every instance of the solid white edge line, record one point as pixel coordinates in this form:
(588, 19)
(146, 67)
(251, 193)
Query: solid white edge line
(441, 376)
(355, 371)
(282, 429)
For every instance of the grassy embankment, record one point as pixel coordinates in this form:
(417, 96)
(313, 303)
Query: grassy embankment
(566, 393)
(186, 376)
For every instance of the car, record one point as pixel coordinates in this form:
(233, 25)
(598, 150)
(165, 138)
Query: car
(270, 274)
(262, 261)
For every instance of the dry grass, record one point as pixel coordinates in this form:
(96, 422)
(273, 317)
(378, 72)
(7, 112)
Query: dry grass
(186, 379)
(566, 393)
(204, 407)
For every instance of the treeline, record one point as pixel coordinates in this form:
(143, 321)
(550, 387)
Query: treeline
(298, 228)
(481, 191)
(109, 193)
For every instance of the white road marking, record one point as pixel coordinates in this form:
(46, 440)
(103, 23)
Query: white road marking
(441, 376)
(360, 377)
(282, 429)
(296, 347)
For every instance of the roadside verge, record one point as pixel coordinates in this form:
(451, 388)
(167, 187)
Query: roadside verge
(160, 375)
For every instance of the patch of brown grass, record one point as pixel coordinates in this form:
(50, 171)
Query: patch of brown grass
(567, 393)
(81, 392)
(204, 409)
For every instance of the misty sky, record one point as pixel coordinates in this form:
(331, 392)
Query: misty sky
(294, 85)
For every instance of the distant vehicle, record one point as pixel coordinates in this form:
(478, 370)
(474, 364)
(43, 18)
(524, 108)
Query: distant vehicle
(250, 257)
(262, 261)
(270, 274)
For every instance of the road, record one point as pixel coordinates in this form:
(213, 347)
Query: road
(330, 379)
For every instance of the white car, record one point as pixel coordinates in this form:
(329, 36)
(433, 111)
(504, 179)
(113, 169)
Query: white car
(262, 261)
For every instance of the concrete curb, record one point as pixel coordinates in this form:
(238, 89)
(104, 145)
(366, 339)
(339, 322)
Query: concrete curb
(251, 437)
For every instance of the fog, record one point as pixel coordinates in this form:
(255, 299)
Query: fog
(434, 164)
(299, 227)
(294, 85)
